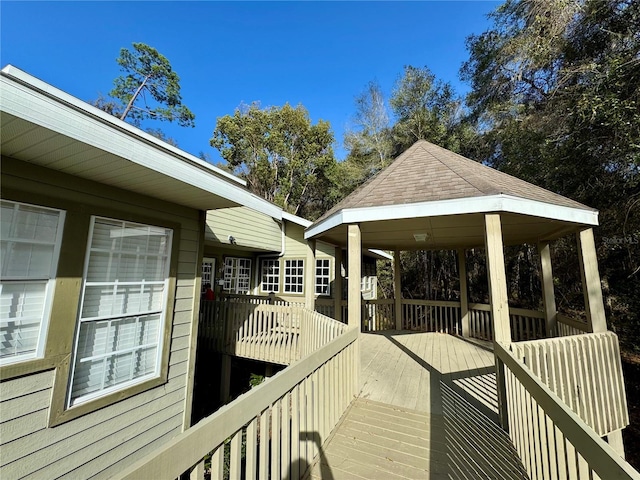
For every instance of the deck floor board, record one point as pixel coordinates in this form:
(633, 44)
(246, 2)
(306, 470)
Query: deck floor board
(427, 410)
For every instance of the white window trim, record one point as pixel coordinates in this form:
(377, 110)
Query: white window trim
(161, 328)
(49, 289)
(235, 290)
(288, 277)
(328, 277)
(276, 262)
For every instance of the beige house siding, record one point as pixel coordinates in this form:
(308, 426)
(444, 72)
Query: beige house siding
(249, 228)
(104, 441)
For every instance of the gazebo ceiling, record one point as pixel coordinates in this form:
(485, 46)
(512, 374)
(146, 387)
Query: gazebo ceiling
(432, 198)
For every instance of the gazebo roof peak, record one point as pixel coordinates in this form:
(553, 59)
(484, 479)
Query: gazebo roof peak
(426, 172)
(432, 193)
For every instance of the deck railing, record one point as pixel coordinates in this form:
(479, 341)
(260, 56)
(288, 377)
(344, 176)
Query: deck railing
(552, 441)
(275, 333)
(431, 316)
(273, 431)
(570, 326)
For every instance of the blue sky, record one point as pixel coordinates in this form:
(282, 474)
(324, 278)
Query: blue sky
(319, 54)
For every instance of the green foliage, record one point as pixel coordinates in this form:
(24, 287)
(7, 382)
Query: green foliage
(556, 88)
(255, 380)
(282, 156)
(148, 89)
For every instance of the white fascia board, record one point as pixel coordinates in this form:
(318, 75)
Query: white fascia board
(462, 206)
(381, 253)
(303, 222)
(31, 99)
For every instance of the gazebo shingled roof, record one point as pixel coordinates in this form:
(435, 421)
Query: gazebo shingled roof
(433, 183)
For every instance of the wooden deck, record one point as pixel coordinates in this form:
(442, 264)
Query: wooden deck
(427, 410)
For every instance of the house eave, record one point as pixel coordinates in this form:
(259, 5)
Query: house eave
(462, 206)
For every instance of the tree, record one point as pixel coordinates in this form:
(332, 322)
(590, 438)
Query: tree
(149, 89)
(370, 143)
(555, 86)
(428, 109)
(282, 156)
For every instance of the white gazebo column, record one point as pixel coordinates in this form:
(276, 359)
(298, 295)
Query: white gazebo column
(309, 276)
(354, 255)
(464, 297)
(593, 304)
(397, 289)
(499, 303)
(497, 279)
(337, 284)
(548, 293)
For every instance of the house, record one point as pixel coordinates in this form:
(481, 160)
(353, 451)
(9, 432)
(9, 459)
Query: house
(105, 230)
(106, 235)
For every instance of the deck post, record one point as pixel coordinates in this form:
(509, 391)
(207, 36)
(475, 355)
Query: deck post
(355, 273)
(499, 304)
(464, 296)
(225, 379)
(397, 289)
(548, 294)
(309, 276)
(337, 284)
(593, 304)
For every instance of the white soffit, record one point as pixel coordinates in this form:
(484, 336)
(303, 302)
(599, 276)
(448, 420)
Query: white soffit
(303, 222)
(462, 206)
(35, 101)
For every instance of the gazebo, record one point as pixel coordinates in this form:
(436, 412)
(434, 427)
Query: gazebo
(430, 198)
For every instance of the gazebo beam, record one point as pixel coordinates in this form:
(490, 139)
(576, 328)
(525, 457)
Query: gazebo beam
(548, 293)
(337, 283)
(309, 276)
(464, 297)
(497, 279)
(354, 245)
(397, 289)
(499, 303)
(593, 303)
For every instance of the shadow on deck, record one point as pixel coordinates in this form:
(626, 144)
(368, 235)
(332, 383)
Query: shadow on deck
(427, 410)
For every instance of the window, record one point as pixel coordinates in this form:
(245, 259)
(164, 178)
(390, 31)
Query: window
(122, 310)
(208, 273)
(270, 276)
(293, 276)
(237, 274)
(30, 239)
(322, 276)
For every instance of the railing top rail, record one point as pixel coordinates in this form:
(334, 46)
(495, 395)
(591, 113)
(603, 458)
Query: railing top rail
(185, 450)
(556, 340)
(602, 458)
(525, 312)
(434, 303)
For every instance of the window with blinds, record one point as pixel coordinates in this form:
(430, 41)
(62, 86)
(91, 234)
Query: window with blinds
(123, 308)
(237, 274)
(30, 239)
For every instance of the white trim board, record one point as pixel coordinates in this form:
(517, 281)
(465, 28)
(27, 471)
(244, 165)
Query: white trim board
(461, 206)
(37, 102)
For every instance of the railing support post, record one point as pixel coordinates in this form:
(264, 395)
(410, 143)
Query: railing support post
(499, 303)
(464, 296)
(593, 303)
(397, 289)
(548, 294)
(309, 276)
(355, 274)
(337, 284)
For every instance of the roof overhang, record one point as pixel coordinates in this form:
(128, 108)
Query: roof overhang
(452, 223)
(47, 127)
